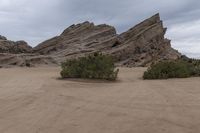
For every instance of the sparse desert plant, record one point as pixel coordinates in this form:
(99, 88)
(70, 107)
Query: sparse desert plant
(94, 66)
(169, 69)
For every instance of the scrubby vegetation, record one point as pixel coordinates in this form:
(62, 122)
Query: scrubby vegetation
(94, 66)
(195, 66)
(181, 68)
(167, 69)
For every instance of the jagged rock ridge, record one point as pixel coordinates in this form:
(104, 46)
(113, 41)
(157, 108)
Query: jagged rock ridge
(19, 53)
(7, 46)
(145, 43)
(141, 45)
(77, 40)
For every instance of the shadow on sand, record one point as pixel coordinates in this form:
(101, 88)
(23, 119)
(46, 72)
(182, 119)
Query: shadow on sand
(88, 80)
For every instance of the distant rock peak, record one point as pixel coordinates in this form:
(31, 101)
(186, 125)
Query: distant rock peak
(7, 46)
(3, 38)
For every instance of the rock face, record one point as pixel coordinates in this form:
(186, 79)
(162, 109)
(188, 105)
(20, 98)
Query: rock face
(3, 38)
(139, 46)
(20, 54)
(25, 60)
(7, 46)
(78, 40)
(143, 44)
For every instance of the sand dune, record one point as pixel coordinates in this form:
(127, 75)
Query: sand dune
(34, 100)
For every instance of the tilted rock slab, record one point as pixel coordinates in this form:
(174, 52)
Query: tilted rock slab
(139, 46)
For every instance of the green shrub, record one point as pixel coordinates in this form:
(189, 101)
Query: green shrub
(194, 65)
(94, 66)
(169, 69)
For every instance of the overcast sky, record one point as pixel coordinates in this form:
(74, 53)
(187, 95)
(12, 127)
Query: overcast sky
(37, 20)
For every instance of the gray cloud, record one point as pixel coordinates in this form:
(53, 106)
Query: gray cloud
(38, 20)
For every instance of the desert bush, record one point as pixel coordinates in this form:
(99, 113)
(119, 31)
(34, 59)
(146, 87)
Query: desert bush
(169, 69)
(194, 66)
(94, 66)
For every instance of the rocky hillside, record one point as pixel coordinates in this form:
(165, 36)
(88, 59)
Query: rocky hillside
(7, 46)
(139, 46)
(143, 44)
(78, 38)
(20, 54)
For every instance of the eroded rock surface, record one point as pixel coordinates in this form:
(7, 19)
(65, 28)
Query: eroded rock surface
(7, 46)
(143, 44)
(139, 46)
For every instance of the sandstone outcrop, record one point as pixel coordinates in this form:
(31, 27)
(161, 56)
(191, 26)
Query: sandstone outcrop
(3, 38)
(25, 60)
(139, 46)
(78, 40)
(7, 46)
(143, 44)
(19, 53)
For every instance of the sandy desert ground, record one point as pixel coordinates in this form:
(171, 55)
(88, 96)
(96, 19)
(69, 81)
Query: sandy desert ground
(34, 100)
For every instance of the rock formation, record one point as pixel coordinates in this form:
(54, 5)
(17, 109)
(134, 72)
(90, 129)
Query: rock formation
(20, 54)
(143, 44)
(3, 38)
(140, 46)
(7, 46)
